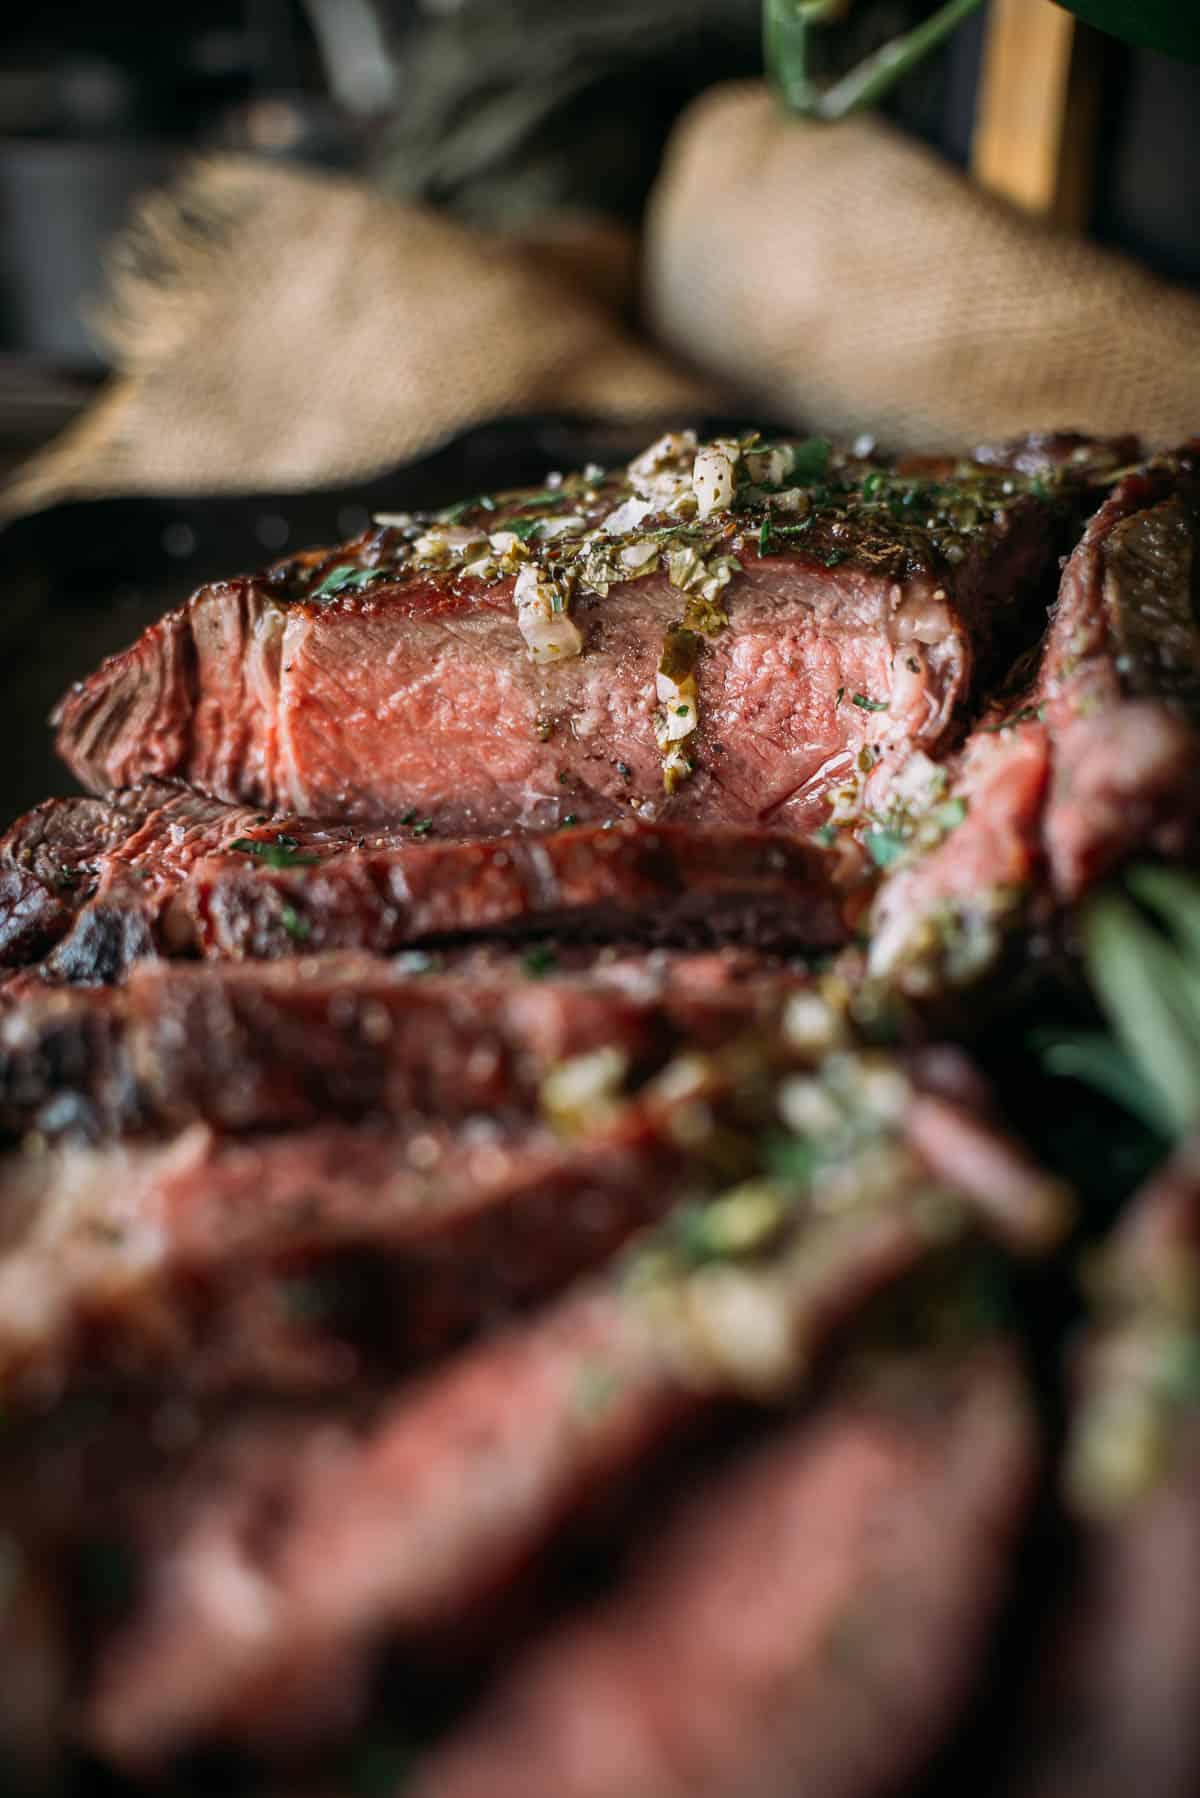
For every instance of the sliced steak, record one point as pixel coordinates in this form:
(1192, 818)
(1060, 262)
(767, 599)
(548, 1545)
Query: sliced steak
(282, 1045)
(462, 1481)
(821, 1609)
(48, 865)
(176, 884)
(726, 601)
(1092, 762)
(1112, 1706)
(1120, 686)
(296, 1261)
(651, 883)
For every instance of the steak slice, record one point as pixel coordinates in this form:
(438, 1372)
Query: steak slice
(726, 600)
(275, 1046)
(651, 883)
(460, 1482)
(47, 865)
(293, 1259)
(198, 875)
(821, 1608)
(1111, 1707)
(1094, 761)
(294, 1262)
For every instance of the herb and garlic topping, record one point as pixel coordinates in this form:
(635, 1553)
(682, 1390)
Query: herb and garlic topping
(697, 513)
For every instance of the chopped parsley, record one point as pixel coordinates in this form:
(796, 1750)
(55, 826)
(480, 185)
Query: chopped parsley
(346, 578)
(298, 928)
(835, 558)
(570, 819)
(421, 827)
(884, 846)
(866, 704)
(810, 459)
(284, 852)
(455, 514)
(540, 962)
(764, 537)
(524, 528)
(841, 694)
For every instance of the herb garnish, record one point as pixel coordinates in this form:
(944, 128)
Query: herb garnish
(346, 578)
(883, 846)
(455, 514)
(298, 928)
(866, 704)
(540, 961)
(284, 852)
(810, 459)
(841, 694)
(826, 836)
(764, 536)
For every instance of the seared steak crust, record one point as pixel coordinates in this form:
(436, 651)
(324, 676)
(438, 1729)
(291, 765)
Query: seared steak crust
(275, 1046)
(196, 875)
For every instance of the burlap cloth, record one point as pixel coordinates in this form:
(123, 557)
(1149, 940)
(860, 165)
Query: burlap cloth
(274, 328)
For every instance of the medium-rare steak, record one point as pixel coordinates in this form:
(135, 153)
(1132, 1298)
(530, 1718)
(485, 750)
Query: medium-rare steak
(279, 1045)
(293, 1259)
(190, 875)
(809, 1625)
(460, 1482)
(1093, 760)
(721, 633)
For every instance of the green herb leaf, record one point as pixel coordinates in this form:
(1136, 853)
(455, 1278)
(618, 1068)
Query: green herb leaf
(869, 705)
(455, 514)
(811, 460)
(298, 928)
(540, 962)
(764, 537)
(346, 578)
(524, 528)
(1149, 993)
(1098, 1061)
(283, 852)
(884, 846)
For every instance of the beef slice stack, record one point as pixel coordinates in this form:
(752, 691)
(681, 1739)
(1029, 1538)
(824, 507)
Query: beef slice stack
(475, 1290)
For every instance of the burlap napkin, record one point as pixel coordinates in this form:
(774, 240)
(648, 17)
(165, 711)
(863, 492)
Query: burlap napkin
(850, 276)
(273, 328)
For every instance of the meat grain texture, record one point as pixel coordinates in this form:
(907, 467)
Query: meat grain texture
(495, 1260)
